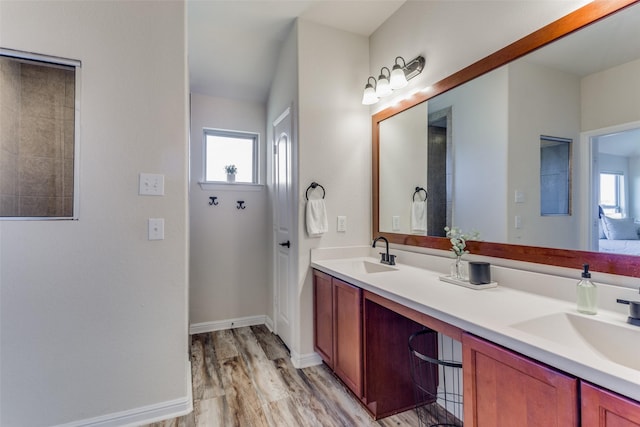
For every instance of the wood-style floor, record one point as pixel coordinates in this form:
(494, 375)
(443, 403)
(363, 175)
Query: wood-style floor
(244, 377)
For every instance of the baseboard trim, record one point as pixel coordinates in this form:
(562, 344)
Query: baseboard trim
(300, 361)
(220, 325)
(268, 323)
(144, 414)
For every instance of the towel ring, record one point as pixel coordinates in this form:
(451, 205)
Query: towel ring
(314, 185)
(419, 189)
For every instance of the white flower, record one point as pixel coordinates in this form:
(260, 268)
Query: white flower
(459, 239)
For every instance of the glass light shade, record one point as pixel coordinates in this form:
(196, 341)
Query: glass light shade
(398, 79)
(383, 88)
(369, 97)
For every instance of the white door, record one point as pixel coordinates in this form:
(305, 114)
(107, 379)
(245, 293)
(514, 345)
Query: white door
(284, 281)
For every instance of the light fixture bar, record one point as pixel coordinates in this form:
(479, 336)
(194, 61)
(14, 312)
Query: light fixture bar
(414, 67)
(396, 79)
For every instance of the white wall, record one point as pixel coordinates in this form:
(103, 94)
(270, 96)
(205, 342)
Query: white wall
(229, 264)
(403, 164)
(611, 97)
(551, 109)
(93, 315)
(334, 146)
(479, 118)
(454, 34)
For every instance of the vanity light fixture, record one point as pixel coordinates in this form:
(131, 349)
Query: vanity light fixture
(369, 97)
(398, 79)
(414, 67)
(395, 79)
(383, 88)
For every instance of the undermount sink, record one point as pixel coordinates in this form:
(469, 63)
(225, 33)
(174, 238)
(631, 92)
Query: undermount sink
(363, 266)
(618, 343)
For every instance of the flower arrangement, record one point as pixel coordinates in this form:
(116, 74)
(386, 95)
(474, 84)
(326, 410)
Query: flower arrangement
(231, 169)
(459, 239)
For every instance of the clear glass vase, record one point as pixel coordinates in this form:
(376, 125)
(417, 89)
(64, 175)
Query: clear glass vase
(459, 269)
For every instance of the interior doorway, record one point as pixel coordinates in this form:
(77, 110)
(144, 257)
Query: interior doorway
(439, 164)
(284, 279)
(614, 185)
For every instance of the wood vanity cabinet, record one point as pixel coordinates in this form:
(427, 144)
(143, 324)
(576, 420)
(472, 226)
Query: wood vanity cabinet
(365, 342)
(323, 316)
(338, 328)
(602, 408)
(505, 389)
(388, 384)
(347, 331)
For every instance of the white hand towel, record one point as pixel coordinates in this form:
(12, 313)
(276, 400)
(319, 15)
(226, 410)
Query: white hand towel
(317, 223)
(419, 216)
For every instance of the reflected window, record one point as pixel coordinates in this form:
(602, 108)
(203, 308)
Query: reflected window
(612, 194)
(38, 143)
(555, 176)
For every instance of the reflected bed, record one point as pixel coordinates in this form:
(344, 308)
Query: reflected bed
(624, 247)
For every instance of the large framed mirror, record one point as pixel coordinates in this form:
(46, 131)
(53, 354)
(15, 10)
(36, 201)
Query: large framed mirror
(489, 119)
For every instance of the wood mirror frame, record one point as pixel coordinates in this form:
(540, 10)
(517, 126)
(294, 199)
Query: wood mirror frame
(625, 265)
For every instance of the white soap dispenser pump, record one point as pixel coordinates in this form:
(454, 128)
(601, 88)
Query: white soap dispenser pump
(587, 293)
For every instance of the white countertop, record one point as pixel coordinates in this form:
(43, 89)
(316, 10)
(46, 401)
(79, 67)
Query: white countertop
(491, 314)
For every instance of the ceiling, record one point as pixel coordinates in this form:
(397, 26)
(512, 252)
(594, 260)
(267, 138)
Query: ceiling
(234, 45)
(596, 47)
(593, 49)
(625, 143)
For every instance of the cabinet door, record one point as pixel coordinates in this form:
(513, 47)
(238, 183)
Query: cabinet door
(504, 389)
(601, 408)
(323, 316)
(347, 343)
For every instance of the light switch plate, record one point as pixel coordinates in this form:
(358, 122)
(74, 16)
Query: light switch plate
(342, 223)
(518, 221)
(519, 196)
(151, 184)
(395, 223)
(156, 228)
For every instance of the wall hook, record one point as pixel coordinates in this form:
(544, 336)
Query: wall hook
(241, 204)
(213, 201)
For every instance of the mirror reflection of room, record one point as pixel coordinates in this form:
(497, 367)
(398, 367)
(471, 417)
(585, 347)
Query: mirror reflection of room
(576, 88)
(415, 154)
(616, 183)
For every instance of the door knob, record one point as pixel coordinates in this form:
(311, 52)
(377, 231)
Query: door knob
(287, 244)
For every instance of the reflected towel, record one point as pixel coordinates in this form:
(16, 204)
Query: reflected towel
(419, 216)
(316, 220)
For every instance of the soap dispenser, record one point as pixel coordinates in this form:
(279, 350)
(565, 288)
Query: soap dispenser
(587, 293)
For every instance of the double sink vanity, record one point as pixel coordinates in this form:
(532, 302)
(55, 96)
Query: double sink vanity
(528, 357)
(525, 349)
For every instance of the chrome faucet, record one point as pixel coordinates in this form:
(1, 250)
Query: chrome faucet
(386, 257)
